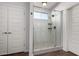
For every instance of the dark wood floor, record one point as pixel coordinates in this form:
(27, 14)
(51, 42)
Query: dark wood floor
(54, 53)
(18, 54)
(58, 53)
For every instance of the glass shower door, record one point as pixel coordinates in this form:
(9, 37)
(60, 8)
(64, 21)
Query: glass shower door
(42, 28)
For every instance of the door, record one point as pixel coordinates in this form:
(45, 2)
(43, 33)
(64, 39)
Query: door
(41, 34)
(3, 30)
(42, 28)
(16, 33)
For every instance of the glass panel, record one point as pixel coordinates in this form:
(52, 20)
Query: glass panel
(44, 16)
(39, 15)
(58, 28)
(57, 22)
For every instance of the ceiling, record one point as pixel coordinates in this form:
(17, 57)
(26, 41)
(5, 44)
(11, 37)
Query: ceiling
(49, 4)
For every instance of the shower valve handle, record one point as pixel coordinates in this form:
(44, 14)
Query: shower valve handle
(54, 27)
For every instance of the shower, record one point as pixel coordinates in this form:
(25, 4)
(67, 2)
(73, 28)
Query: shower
(46, 30)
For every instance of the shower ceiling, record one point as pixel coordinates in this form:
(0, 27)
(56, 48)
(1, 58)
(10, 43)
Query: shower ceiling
(49, 4)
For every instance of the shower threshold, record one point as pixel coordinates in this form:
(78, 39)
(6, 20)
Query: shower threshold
(45, 50)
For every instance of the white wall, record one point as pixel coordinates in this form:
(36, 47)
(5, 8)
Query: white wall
(65, 31)
(65, 5)
(31, 30)
(66, 28)
(74, 39)
(27, 25)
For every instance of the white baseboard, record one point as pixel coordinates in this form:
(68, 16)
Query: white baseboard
(47, 50)
(65, 50)
(75, 52)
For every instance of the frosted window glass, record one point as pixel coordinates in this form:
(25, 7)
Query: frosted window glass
(39, 15)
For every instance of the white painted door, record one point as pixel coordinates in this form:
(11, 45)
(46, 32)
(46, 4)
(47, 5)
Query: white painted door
(3, 30)
(16, 36)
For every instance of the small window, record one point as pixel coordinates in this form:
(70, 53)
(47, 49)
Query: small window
(40, 15)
